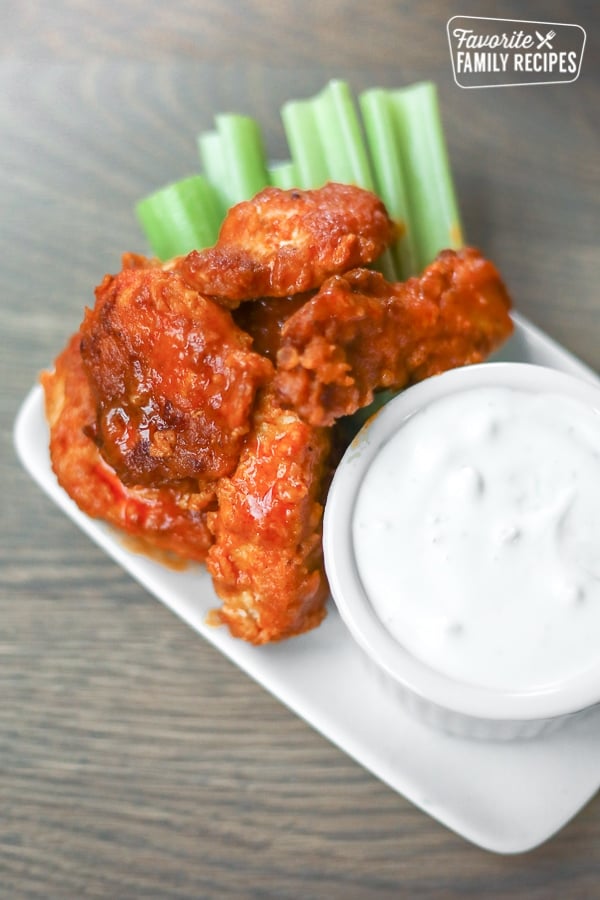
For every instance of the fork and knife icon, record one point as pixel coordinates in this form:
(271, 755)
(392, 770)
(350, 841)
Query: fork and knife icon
(545, 41)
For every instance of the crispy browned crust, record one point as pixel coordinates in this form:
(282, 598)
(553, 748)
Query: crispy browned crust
(267, 559)
(171, 521)
(360, 333)
(286, 242)
(173, 379)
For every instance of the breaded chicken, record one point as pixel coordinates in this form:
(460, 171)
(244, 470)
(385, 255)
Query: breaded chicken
(169, 520)
(284, 242)
(173, 379)
(360, 333)
(267, 559)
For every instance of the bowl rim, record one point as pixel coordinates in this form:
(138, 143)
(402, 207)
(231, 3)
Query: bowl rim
(562, 698)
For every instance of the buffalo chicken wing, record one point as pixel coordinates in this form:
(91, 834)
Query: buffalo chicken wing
(171, 520)
(267, 559)
(173, 379)
(361, 333)
(286, 242)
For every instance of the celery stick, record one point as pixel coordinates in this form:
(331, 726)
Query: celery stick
(210, 152)
(307, 154)
(180, 217)
(434, 213)
(390, 186)
(341, 136)
(283, 175)
(243, 155)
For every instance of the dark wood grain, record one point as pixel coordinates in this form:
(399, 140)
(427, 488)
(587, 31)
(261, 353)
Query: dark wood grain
(135, 761)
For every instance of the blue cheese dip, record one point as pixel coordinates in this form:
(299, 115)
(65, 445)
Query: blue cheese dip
(476, 534)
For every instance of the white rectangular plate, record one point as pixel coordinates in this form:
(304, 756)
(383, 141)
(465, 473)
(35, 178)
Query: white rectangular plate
(505, 797)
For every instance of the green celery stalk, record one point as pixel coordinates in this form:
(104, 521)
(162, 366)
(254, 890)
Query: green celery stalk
(341, 136)
(434, 213)
(210, 152)
(244, 161)
(390, 182)
(180, 217)
(303, 139)
(283, 175)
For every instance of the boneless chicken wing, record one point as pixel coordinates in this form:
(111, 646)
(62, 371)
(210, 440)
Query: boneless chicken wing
(267, 559)
(169, 520)
(360, 333)
(173, 379)
(284, 242)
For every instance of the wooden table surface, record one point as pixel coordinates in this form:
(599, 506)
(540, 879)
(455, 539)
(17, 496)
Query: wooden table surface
(135, 761)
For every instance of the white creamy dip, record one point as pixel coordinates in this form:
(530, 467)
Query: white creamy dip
(477, 537)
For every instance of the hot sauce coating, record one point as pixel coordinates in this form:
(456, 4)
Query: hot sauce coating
(173, 379)
(286, 242)
(165, 519)
(361, 333)
(267, 559)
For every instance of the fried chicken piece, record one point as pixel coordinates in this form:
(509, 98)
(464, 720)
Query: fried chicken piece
(361, 333)
(172, 521)
(173, 379)
(284, 242)
(267, 559)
